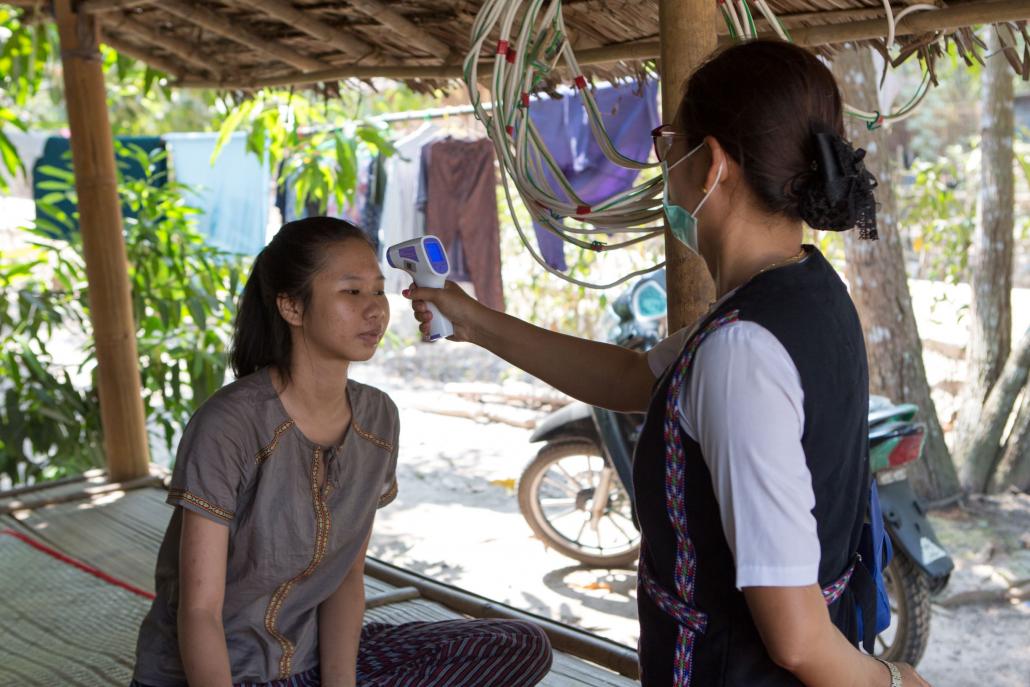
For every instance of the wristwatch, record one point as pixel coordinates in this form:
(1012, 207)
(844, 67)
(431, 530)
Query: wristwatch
(895, 673)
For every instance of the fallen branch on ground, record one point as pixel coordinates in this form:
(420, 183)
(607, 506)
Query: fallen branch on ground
(1017, 592)
(480, 416)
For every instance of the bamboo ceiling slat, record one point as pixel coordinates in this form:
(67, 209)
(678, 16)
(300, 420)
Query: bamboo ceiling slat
(248, 44)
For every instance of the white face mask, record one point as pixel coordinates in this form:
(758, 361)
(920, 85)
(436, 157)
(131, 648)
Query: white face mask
(683, 223)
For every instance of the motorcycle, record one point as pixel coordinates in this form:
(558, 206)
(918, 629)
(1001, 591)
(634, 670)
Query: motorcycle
(577, 493)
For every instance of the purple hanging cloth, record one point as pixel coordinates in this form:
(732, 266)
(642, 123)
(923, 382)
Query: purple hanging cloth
(628, 116)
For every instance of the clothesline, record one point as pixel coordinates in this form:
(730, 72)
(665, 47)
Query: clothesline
(427, 114)
(456, 110)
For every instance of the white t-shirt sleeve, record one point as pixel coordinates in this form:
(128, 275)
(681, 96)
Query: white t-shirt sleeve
(743, 403)
(667, 351)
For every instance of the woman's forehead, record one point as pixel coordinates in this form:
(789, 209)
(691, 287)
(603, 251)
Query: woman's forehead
(350, 258)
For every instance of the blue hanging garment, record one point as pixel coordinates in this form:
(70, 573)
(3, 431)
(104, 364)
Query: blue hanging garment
(57, 156)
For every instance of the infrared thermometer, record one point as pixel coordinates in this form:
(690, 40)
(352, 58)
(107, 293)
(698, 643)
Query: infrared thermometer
(425, 260)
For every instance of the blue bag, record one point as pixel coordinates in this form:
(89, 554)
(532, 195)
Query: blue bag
(874, 546)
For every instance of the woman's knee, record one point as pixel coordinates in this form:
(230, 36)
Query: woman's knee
(535, 648)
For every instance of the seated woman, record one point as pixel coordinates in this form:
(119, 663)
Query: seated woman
(276, 483)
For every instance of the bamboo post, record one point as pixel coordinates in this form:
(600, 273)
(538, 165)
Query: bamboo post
(686, 30)
(100, 219)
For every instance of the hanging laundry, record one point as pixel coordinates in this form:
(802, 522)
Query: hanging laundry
(461, 208)
(57, 154)
(372, 210)
(400, 220)
(232, 195)
(455, 254)
(628, 116)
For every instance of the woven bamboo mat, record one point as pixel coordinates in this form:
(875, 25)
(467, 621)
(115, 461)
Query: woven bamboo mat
(62, 625)
(120, 533)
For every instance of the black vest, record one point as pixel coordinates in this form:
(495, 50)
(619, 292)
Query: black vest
(807, 308)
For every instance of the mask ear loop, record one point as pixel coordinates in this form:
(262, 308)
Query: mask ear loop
(708, 194)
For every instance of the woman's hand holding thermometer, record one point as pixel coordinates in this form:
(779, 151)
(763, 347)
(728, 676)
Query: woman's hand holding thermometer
(425, 259)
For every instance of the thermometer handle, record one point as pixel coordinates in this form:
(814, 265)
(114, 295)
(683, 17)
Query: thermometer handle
(439, 327)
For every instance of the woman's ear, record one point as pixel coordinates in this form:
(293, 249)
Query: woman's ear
(290, 309)
(719, 169)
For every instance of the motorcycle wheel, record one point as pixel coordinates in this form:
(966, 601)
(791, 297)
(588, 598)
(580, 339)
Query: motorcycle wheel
(909, 592)
(556, 495)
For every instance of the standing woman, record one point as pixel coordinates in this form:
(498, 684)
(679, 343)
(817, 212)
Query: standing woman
(751, 474)
(260, 577)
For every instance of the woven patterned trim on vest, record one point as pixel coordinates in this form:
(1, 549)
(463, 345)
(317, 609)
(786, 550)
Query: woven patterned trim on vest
(680, 606)
(834, 591)
(675, 504)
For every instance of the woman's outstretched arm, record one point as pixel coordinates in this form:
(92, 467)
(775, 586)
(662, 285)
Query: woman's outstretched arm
(596, 373)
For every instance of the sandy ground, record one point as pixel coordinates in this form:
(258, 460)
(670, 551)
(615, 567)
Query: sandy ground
(457, 519)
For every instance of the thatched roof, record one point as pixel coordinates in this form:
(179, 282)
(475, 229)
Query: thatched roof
(242, 44)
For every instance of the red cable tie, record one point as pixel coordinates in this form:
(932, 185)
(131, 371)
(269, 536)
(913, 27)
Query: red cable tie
(525, 100)
(582, 210)
(502, 47)
(581, 82)
(510, 129)
(511, 56)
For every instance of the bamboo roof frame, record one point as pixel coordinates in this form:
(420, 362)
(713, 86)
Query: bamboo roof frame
(253, 44)
(861, 25)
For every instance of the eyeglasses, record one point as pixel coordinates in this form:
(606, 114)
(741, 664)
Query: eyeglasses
(663, 138)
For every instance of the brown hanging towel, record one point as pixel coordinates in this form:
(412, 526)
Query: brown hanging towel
(462, 207)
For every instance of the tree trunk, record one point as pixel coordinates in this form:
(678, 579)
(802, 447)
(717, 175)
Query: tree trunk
(1014, 468)
(990, 334)
(879, 287)
(983, 447)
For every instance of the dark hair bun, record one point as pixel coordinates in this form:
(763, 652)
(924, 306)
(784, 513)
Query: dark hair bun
(837, 193)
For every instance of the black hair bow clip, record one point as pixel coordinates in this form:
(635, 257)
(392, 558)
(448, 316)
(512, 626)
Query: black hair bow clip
(846, 186)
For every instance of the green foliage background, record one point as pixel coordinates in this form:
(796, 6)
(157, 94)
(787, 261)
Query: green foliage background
(184, 294)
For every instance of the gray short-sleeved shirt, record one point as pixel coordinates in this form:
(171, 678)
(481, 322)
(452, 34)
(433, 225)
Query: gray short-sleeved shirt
(242, 462)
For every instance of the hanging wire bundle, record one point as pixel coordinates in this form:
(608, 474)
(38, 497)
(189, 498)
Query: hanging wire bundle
(524, 56)
(531, 40)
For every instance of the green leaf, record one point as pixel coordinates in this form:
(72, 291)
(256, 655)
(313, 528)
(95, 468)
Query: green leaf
(375, 139)
(53, 185)
(33, 364)
(58, 172)
(229, 126)
(197, 312)
(149, 76)
(123, 65)
(347, 164)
